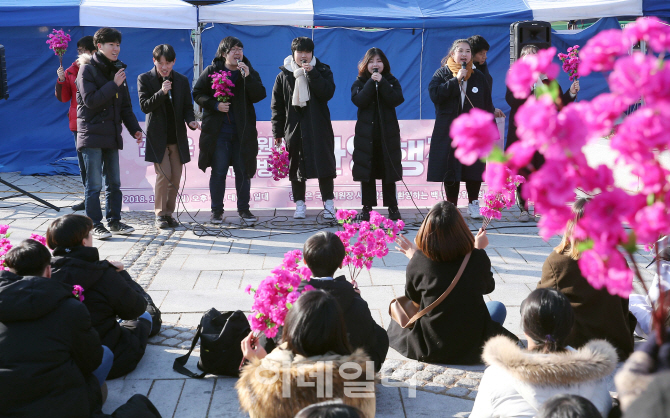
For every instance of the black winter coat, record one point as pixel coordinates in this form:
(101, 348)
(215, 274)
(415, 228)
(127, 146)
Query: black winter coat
(48, 350)
(247, 91)
(484, 68)
(108, 294)
(152, 102)
(102, 105)
(308, 130)
(373, 127)
(456, 330)
(362, 329)
(446, 95)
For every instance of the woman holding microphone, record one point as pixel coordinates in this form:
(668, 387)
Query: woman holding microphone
(377, 154)
(457, 87)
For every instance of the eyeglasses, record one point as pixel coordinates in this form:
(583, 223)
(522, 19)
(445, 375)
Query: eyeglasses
(236, 49)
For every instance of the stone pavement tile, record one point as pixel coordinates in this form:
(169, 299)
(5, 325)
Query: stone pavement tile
(202, 300)
(426, 404)
(224, 400)
(157, 363)
(193, 246)
(395, 258)
(170, 318)
(513, 319)
(510, 293)
(253, 278)
(389, 402)
(195, 398)
(208, 279)
(224, 262)
(120, 390)
(383, 276)
(165, 395)
(535, 255)
(157, 296)
(174, 262)
(239, 246)
(174, 279)
(518, 275)
(221, 246)
(515, 240)
(273, 260)
(230, 279)
(378, 297)
(190, 319)
(509, 256)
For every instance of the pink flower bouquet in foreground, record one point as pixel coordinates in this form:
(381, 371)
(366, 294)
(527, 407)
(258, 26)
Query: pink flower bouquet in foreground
(373, 237)
(571, 62)
(58, 42)
(503, 198)
(275, 295)
(278, 164)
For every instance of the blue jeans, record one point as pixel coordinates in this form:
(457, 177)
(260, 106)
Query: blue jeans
(228, 153)
(80, 161)
(102, 163)
(107, 361)
(497, 311)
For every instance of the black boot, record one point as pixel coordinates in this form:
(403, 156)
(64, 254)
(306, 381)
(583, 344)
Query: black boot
(365, 214)
(394, 213)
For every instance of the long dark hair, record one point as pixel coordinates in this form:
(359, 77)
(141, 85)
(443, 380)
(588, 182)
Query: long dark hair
(444, 235)
(315, 326)
(363, 64)
(547, 318)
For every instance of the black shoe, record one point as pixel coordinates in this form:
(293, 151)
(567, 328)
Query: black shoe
(161, 222)
(217, 217)
(365, 214)
(394, 213)
(119, 228)
(172, 222)
(247, 216)
(156, 320)
(100, 232)
(79, 206)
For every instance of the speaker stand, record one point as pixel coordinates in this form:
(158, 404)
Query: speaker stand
(25, 193)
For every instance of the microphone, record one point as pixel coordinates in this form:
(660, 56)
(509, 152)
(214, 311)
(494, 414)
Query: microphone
(169, 91)
(241, 69)
(117, 64)
(463, 65)
(376, 70)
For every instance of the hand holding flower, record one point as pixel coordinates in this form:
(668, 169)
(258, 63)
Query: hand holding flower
(250, 348)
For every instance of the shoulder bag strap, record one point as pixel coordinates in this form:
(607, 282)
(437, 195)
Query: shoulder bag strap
(179, 364)
(445, 294)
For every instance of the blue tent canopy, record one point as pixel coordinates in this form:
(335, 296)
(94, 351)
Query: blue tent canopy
(39, 13)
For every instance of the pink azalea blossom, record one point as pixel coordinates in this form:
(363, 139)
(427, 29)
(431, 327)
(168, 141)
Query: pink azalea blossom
(278, 163)
(495, 176)
(3, 229)
(639, 75)
(651, 30)
(571, 62)
(651, 222)
(602, 50)
(39, 238)
(526, 71)
(473, 135)
(536, 121)
(608, 270)
(78, 292)
(519, 155)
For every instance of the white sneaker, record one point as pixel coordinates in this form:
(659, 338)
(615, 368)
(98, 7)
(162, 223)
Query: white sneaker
(524, 217)
(473, 208)
(300, 210)
(329, 210)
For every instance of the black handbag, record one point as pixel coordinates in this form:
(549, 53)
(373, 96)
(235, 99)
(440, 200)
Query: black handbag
(220, 335)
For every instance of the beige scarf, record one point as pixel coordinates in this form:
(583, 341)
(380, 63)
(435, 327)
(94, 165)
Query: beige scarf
(301, 88)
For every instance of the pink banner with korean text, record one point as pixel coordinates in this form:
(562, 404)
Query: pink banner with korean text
(138, 176)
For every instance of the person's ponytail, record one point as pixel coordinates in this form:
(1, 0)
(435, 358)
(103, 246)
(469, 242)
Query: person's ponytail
(547, 318)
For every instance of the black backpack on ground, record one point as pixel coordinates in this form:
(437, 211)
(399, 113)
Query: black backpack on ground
(220, 335)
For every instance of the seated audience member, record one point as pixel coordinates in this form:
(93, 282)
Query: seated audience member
(455, 331)
(568, 406)
(641, 305)
(598, 314)
(109, 292)
(654, 400)
(314, 345)
(49, 352)
(517, 381)
(330, 409)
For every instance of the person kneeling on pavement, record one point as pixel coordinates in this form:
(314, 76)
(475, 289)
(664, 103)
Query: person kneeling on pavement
(109, 292)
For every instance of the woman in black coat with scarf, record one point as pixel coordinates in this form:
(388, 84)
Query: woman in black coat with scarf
(514, 103)
(455, 331)
(377, 154)
(455, 90)
(229, 135)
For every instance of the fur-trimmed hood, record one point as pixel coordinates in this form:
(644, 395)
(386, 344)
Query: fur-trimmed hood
(596, 360)
(84, 59)
(262, 394)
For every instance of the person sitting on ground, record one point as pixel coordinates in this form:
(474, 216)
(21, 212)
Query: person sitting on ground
(517, 381)
(568, 406)
(455, 331)
(314, 345)
(598, 314)
(109, 292)
(51, 362)
(330, 409)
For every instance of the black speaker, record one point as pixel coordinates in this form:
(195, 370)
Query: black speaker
(529, 32)
(3, 75)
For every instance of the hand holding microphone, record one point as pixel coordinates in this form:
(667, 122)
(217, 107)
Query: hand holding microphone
(376, 77)
(167, 87)
(462, 72)
(243, 68)
(306, 66)
(120, 77)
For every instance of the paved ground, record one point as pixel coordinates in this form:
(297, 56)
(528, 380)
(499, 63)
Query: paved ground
(188, 272)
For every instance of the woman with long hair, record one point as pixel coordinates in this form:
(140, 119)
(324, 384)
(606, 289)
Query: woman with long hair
(597, 313)
(377, 154)
(515, 104)
(517, 381)
(455, 331)
(314, 347)
(457, 87)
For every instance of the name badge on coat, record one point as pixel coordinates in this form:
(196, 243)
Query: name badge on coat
(475, 89)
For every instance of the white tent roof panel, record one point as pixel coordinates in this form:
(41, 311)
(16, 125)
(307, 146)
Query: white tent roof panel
(553, 10)
(260, 12)
(158, 14)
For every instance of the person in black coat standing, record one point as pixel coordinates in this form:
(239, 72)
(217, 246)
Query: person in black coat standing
(538, 160)
(48, 349)
(301, 116)
(480, 49)
(165, 96)
(455, 90)
(229, 135)
(104, 102)
(109, 292)
(455, 331)
(377, 154)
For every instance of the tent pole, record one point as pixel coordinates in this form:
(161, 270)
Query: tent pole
(197, 62)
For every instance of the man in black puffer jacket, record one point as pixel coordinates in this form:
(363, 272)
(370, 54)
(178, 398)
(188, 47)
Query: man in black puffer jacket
(48, 349)
(109, 292)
